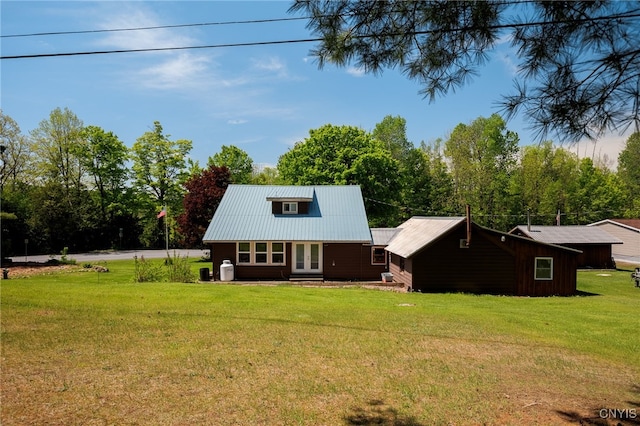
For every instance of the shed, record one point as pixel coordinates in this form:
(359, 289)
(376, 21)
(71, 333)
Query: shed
(594, 243)
(443, 254)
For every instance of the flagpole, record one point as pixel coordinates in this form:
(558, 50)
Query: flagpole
(166, 228)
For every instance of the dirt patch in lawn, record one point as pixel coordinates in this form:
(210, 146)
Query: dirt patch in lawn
(24, 271)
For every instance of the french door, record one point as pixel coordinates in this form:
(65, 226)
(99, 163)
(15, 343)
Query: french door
(307, 258)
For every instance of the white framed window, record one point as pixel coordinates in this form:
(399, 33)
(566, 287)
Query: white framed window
(277, 253)
(378, 256)
(244, 252)
(290, 207)
(262, 253)
(544, 268)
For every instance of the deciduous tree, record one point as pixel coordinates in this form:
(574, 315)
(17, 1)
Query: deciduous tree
(238, 162)
(345, 155)
(204, 192)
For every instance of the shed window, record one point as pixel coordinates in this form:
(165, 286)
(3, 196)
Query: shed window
(261, 252)
(378, 256)
(544, 268)
(290, 207)
(244, 252)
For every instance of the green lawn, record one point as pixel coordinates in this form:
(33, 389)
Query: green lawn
(89, 348)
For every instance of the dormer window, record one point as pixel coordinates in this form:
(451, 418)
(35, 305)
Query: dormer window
(290, 207)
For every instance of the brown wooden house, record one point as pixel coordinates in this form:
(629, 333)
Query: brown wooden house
(594, 243)
(317, 232)
(434, 254)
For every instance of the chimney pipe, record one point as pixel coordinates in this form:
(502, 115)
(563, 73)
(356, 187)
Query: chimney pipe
(468, 211)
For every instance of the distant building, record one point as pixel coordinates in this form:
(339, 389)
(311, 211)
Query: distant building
(626, 230)
(595, 243)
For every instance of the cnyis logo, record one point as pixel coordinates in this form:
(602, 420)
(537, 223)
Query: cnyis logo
(618, 413)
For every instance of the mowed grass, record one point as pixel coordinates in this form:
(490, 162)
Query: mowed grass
(90, 348)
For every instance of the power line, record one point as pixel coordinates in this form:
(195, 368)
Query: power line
(162, 49)
(310, 40)
(203, 24)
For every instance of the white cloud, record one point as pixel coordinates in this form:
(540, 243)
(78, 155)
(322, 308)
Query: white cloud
(356, 71)
(176, 72)
(237, 121)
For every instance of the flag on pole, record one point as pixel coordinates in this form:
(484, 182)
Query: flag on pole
(162, 213)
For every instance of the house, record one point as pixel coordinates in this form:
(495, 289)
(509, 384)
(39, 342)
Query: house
(594, 243)
(295, 232)
(453, 254)
(626, 230)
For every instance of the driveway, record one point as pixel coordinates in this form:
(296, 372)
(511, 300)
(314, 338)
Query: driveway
(115, 255)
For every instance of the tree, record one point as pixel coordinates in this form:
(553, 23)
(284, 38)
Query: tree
(483, 156)
(57, 144)
(14, 151)
(238, 162)
(579, 70)
(392, 132)
(629, 173)
(345, 155)
(105, 159)
(204, 193)
(62, 211)
(159, 169)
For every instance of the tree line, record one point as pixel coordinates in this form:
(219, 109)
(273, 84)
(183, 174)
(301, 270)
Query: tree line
(75, 186)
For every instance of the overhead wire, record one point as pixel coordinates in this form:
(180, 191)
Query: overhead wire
(273, 42)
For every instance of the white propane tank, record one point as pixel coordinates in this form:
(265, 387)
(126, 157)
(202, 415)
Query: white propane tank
(226, 271)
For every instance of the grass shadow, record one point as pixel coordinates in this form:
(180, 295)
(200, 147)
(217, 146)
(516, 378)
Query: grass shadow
(376, 412)
(580, 293)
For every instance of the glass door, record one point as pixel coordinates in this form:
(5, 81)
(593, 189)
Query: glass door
(308, 258)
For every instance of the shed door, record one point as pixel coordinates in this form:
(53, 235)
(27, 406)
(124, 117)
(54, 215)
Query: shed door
(307, 258)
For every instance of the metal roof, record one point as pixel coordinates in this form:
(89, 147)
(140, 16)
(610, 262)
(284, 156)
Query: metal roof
(418, 232)
(292, 193)
(336, 214)
(382, 236)
(572, 234)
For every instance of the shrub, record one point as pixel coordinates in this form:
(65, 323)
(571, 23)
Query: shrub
(145, 271)
(179, 269)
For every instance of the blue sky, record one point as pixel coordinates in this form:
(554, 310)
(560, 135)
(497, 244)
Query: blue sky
(262, 99)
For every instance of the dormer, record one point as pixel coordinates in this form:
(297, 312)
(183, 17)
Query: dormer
(291, 201)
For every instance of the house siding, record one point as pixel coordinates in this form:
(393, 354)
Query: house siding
(341, 261)
(350, 262)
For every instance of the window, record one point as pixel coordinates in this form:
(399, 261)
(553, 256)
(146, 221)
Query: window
(544, 268)
(277, 252)
(290, 207)
(261, 252)
(378, 256)
(244, 252)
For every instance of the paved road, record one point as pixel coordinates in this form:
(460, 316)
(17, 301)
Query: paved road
(116, 255)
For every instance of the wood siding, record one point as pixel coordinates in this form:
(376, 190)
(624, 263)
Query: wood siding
(488, 266)
(350, 261)
(598, 256)
(341, 262)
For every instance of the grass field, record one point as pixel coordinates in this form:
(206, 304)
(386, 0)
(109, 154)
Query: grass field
(95, 348)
